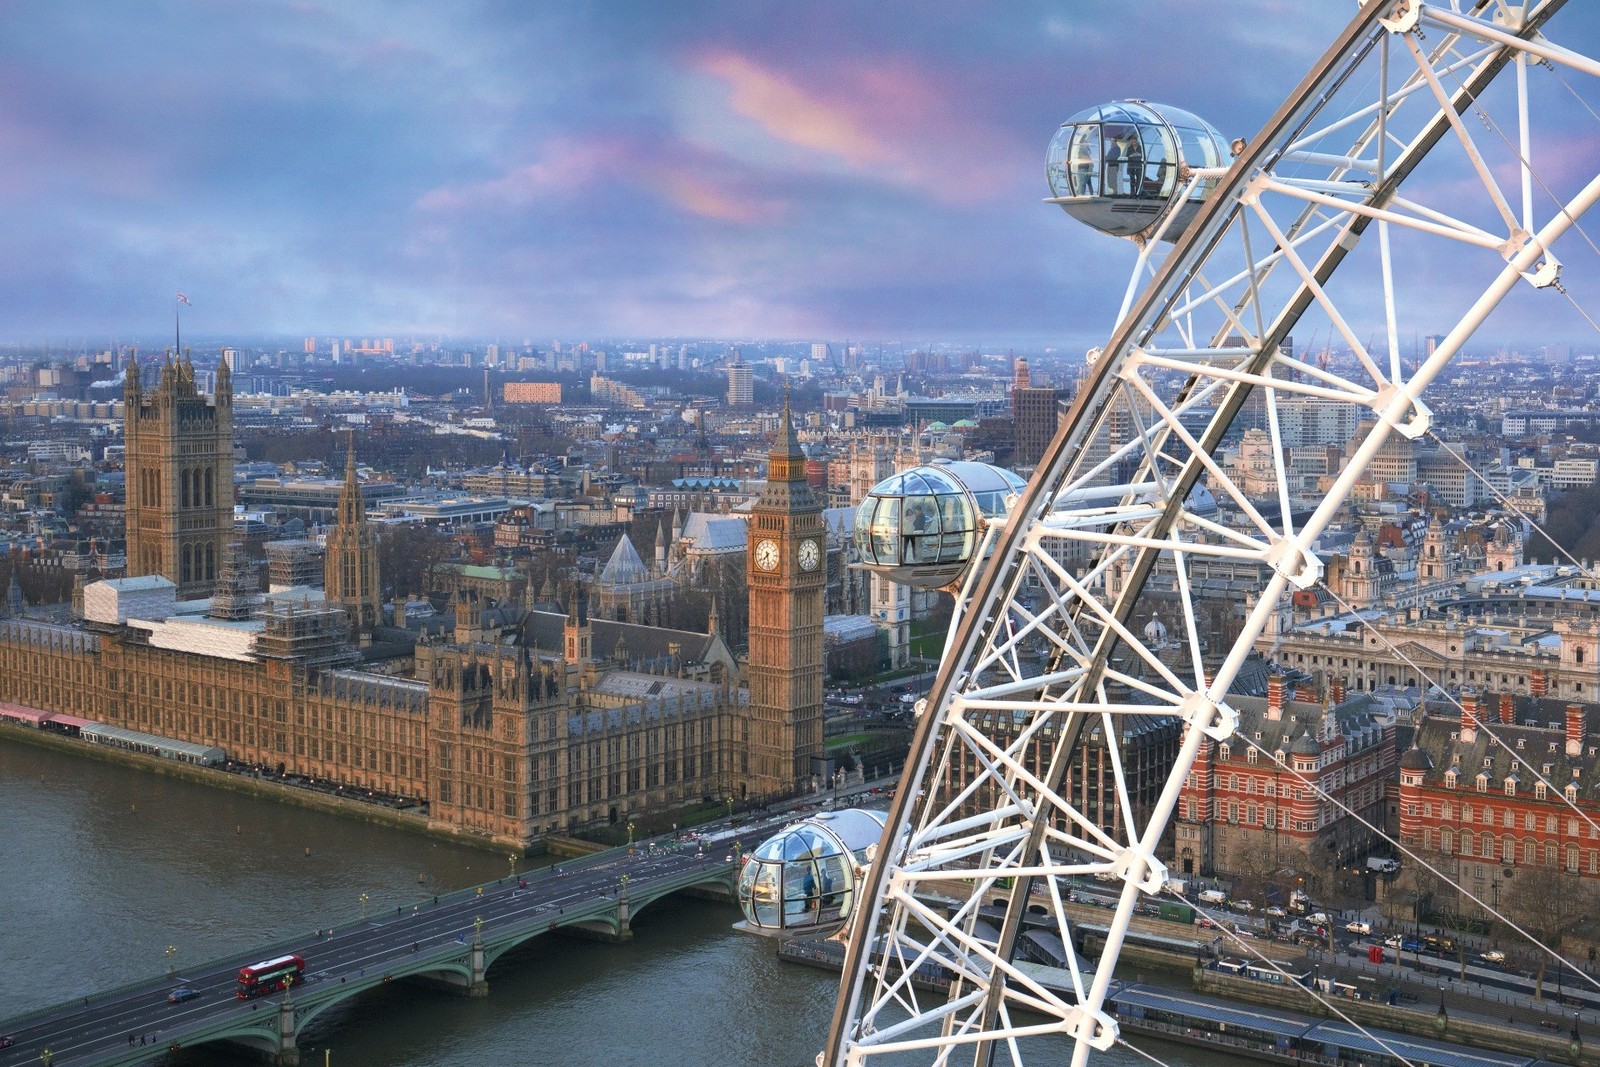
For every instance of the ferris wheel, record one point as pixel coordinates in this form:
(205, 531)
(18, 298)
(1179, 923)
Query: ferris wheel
(1406, 186)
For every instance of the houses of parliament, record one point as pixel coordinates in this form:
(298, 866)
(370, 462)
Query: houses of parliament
(509, 721)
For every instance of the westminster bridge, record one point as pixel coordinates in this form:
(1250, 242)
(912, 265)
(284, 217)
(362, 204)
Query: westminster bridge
(447, 941)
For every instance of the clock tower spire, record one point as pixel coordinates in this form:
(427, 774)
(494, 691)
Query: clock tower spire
(786, 571)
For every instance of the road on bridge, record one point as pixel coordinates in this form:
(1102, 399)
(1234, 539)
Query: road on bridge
(137, 1023)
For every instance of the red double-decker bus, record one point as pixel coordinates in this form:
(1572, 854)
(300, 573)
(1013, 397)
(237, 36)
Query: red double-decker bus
(269, 976)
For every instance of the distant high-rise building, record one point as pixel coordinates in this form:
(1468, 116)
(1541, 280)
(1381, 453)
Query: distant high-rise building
(311, 344)
(741, 383)
(230, 356)
(1035, 415)
(491, 356)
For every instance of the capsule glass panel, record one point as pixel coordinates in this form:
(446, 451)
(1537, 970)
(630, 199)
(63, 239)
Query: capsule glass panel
(921, 527)
(1117, 167)
(803, 880)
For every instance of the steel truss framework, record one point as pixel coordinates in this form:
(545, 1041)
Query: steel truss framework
(1399, 100)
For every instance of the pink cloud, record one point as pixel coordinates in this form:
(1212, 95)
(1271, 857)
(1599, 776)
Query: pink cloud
(888, 121)
(567, 167)
(695, 194)
(789, 113)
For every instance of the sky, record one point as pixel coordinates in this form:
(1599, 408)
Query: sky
(509, 170)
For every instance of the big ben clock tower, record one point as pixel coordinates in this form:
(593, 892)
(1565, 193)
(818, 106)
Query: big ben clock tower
(786, 570)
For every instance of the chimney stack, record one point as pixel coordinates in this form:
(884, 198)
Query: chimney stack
(1469, 717)
(1274, 697)
(1507, 713)
(1574, 729)
(1536, 682)
(1336, 691)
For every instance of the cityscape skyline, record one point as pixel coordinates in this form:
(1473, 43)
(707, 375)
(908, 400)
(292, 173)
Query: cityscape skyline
(704, 172)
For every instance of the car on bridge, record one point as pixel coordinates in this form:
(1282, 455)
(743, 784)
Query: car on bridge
(6, 1041)
(181, 994)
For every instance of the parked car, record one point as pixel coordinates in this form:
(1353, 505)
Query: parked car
(1494, 955)
(1276, 912)
(1356, 926)
(1244, 905)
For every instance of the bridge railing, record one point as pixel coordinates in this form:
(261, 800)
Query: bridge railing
(233, 961)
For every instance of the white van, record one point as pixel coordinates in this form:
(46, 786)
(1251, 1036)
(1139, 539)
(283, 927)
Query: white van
(1212, 896)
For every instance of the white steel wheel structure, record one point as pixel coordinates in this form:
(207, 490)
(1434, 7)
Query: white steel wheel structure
(1398, 189)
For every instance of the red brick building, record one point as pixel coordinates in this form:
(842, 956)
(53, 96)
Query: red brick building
(1482, 810)
(1250, 807)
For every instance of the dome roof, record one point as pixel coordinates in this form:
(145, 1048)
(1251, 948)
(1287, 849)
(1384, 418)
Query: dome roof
(1306, 745)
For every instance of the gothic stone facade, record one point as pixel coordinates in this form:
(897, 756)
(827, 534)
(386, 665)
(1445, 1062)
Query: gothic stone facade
(501, 741)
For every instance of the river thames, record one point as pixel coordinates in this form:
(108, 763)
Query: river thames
(105, 867)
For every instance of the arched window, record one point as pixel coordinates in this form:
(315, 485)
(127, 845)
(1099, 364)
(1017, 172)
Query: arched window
(210, 489)
(183, 491)
(1530, 851)
(1508, 850)
(188, 563)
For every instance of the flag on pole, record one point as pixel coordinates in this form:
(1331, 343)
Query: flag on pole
(184, 299)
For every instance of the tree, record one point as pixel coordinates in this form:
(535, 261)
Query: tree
(1548, 904)
(407, 557)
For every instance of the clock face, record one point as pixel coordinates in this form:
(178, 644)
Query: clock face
(767, 555)
(809, 556)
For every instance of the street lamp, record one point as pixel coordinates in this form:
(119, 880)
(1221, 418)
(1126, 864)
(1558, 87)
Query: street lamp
(172, 952)
(624, 885)
(477, 928)
(1442, 1020)
(730, 807)
(512, 861)
(630, 834)
(1575, 1043)
(363, 907)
